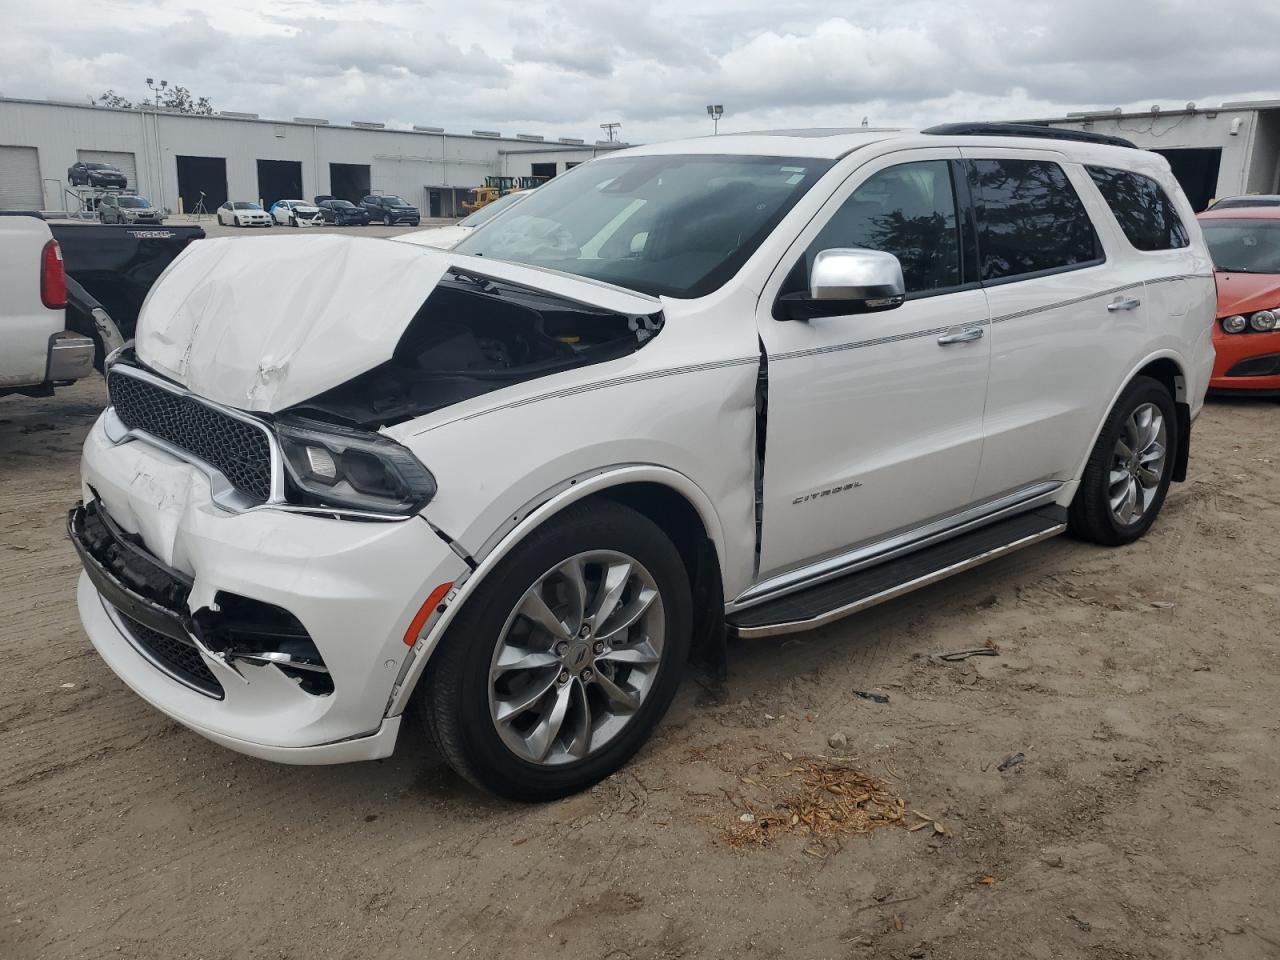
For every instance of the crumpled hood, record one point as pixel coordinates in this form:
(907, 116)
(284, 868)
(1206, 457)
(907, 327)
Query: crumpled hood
(265, 323)
(1247, 292)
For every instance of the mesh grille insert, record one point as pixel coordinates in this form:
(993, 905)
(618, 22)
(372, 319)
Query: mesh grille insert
(240, 451)
(181, 659)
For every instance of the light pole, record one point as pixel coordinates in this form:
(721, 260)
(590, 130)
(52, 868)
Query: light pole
(157, 88)
(715, 111)
(611, 130)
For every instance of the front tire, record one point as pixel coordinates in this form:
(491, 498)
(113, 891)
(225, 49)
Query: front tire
(560, 666)
(1128, 473)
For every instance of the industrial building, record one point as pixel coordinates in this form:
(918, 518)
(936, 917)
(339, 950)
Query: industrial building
(178, 160)
(1214, 151)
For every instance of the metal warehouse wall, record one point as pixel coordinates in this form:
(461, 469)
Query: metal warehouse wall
(400, 162)
(1243, 169)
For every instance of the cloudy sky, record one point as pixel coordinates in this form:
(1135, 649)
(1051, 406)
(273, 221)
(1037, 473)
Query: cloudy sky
(562, 67)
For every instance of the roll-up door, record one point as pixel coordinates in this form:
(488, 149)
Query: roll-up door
(19, 179)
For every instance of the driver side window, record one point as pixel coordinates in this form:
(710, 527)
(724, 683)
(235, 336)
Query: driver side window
(908, 210)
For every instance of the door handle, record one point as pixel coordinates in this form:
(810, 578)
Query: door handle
(1127, 303)
(965, 335)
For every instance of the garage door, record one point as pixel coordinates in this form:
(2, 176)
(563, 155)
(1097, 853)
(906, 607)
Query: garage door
(19, 179)
(124, 162)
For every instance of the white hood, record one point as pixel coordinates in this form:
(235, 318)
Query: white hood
(264, 323)
(442, 238)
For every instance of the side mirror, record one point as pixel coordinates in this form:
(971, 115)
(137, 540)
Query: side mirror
(845, 281)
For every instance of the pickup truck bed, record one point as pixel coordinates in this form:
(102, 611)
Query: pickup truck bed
(116, 264)
(37, 352)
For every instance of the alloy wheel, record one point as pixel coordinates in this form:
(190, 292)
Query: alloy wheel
(1137, 464)
(576, 658)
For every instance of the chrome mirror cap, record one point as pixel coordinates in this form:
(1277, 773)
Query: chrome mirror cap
(848, 273)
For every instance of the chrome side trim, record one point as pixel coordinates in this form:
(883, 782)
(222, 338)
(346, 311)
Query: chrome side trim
(1027, 498)
(222, 492)
(1003, 318)
(798, 626)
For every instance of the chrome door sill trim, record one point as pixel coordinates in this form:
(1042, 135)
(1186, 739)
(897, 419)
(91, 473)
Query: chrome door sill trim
(1027, 498)
(839, 613)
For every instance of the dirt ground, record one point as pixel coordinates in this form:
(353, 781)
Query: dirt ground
(1140, 685)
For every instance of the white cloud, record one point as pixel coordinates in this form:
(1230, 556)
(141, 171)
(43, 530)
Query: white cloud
(563, 68)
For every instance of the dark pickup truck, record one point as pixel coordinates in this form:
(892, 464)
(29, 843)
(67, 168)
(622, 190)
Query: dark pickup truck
(109, 271)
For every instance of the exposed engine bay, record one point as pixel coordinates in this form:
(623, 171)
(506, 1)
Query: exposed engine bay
(474, 335)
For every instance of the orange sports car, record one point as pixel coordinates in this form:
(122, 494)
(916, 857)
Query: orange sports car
(1245, 244)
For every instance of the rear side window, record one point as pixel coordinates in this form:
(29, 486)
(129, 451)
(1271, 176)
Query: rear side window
(1030, 219)
(1143, 209)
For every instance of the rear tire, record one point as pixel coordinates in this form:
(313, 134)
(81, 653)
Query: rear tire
(610, 689)
(1127, 475)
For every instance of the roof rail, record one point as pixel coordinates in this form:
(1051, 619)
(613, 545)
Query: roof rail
(1026, 130)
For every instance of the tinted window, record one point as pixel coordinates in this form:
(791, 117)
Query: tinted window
(909, 211)
(1142, 208)
(674, 224)
(1029, 218)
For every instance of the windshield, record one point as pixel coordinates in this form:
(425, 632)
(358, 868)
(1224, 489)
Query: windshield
(99, 166)
(133, 202)
(677, 225)
(487, 212)
(245, 205)
(341, 204)
(1243, 246)
(394, 202)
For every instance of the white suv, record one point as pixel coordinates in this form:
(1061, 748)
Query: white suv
(742, 384)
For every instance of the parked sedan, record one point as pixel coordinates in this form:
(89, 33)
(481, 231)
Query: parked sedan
(243, 213)
(92, 174)
(117, 209)
(1245, 244)
(296, 213)
(392, 210)
(343, 213)
(445, 238)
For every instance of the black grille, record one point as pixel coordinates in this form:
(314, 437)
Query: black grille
(240, 451)
(181, 659)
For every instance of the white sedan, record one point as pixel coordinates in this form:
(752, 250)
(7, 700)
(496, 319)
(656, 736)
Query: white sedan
(296, 213)
(243, 213)
(444, 238)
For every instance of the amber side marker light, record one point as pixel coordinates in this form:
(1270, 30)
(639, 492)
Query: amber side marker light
(427, 608)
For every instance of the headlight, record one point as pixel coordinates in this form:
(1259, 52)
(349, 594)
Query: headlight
(1234, 324)
(1262, 321)
(339, 467)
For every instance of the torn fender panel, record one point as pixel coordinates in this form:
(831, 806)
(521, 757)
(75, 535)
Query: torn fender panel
(264, 323)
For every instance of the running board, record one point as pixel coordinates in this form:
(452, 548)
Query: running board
(830, 601)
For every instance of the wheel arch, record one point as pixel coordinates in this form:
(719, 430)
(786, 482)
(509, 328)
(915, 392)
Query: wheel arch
(667, 497)
(1169, 372)
(1168, 369)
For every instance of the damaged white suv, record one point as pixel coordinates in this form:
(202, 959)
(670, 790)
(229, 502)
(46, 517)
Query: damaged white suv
(743, 385)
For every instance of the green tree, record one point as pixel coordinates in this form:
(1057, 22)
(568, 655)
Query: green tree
(176, 99)
(113, 99)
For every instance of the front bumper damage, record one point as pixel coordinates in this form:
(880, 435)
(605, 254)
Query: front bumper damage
(165, 591)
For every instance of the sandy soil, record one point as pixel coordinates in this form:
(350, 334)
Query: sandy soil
(1140, 685)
